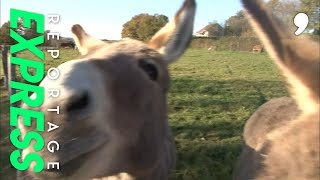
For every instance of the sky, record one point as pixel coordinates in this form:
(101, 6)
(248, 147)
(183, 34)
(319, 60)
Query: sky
(103, 19)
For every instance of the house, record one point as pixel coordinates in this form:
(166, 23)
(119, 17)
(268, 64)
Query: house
(203, 32)
(64, 42)
(211, 30)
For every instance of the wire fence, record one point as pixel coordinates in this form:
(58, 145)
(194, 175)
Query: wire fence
(9, 71)
(7, 74)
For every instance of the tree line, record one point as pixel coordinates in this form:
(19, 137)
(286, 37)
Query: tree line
(144, 26)
(284, 10)
(27, 33)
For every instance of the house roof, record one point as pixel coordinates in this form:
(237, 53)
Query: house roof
(203, 30)
(207, 27)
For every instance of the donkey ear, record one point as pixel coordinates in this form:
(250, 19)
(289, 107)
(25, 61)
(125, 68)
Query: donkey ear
(174, 38)
(297, 57)
(84, 41)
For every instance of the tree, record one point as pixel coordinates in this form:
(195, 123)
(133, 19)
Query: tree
(143, 26)
(30, 33)
(284, 10)
(312, 9)
(27, 33)
(5, 34)
(237, 25)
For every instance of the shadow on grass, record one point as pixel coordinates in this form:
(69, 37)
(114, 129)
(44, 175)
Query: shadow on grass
(207, 118)
(208, 153)
(188, 85)
(7, 172)
(229, 94)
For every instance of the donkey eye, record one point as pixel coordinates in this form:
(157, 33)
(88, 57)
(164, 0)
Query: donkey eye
(150, 69)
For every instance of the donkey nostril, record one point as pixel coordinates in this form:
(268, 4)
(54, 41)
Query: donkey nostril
(78, 102)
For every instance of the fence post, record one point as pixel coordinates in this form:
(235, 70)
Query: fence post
(9, 69)
(5, 65)
(11, 73)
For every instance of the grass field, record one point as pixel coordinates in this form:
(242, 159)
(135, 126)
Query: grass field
(212, 95)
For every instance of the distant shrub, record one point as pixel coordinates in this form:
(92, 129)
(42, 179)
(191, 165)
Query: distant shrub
(230, 43)
(226, 43)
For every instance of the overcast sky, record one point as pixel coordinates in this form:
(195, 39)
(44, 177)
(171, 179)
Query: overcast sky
(104, 18)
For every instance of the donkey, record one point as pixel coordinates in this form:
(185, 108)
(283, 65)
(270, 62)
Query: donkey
(113, 115)
(282, 136)
(257, 48)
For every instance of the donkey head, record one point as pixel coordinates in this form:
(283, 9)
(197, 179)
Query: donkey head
(112, 106)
